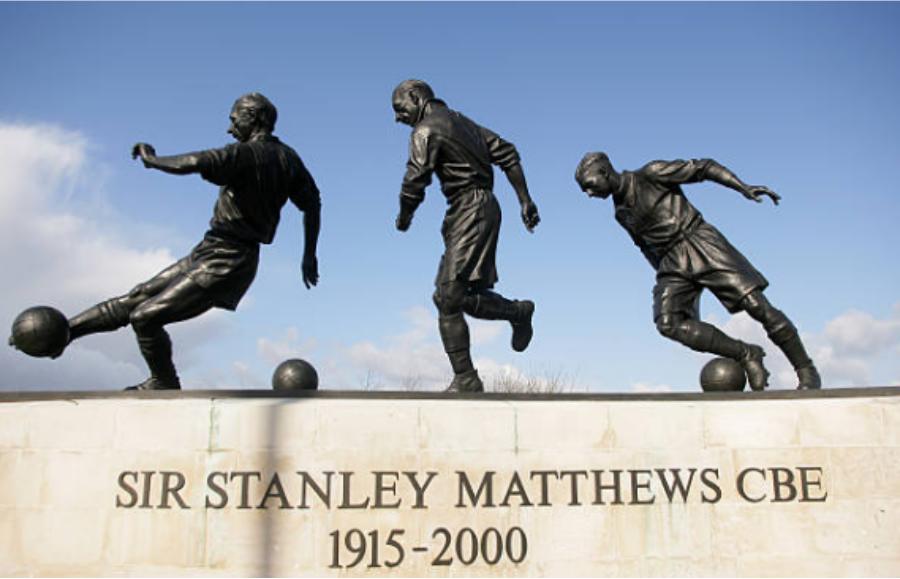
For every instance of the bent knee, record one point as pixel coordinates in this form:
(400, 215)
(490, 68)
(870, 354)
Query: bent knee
(760, 309)
(143, 317)
(138, 291)
(756, 305)
(669, 326)
(447, 307)
(449, 302)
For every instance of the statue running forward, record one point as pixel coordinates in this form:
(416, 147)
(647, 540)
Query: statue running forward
(461, 152)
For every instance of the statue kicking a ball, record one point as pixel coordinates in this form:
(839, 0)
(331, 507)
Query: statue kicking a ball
(461, 152)
(690, 255)
(256, 175)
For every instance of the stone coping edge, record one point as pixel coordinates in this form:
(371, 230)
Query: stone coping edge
(854, 392)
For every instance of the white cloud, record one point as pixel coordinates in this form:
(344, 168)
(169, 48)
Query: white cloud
(238, 375)
(56, 251)
(857, 333)
(858, 349)
(854, 349)
(276, 351)
(414, 359)
(246, 378)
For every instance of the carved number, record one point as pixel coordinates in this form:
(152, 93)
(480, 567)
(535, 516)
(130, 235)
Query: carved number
(467, 546)
(490, 555)
(356, 543)
(491, 546)
(523, 545)
(439, 560)
(392, 542)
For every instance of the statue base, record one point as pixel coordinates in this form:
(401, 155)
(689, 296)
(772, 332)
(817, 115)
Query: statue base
(324, 483)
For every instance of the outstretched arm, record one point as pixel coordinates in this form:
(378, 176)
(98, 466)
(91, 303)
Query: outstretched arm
(696, 170)
(175, 164)
(723, 176)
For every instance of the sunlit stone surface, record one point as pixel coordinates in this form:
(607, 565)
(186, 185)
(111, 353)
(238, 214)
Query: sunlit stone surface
(406, 485)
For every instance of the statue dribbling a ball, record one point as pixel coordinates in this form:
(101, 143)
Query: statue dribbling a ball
(690, 255)
(256, 175)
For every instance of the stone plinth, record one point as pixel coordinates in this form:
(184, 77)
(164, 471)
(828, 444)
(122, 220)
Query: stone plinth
(339, 484)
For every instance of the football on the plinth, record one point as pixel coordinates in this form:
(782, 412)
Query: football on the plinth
(295, 374)
(722, 375)
(40, 331)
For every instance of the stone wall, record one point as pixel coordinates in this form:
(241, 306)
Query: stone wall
(343, 485)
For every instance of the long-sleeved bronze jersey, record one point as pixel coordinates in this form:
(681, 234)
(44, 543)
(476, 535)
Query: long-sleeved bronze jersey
(459, 150)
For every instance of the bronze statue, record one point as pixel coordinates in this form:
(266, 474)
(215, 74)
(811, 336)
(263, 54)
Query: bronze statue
(256, 176)
(689, 255)
(461, 152)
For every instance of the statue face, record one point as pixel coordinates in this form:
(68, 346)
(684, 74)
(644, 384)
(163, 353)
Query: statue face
(597, 183)
(406, 108)
(243, 122)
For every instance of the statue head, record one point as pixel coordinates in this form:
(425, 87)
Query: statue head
(596, 175)
(409, 100)
(251, 114)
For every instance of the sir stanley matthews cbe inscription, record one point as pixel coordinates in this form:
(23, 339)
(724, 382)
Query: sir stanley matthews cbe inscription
(418, 491)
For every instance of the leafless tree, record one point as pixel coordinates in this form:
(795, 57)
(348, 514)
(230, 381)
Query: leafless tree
(549, 382)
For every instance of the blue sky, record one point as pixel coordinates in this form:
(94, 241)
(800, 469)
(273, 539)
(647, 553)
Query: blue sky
(799, 97)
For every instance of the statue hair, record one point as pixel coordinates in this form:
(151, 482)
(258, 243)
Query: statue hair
(595, 158)
(265, 111)
(419, 87)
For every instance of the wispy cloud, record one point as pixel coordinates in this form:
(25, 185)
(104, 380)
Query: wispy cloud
(413, 359)
(56, 251)
(853, 349)
(857, 333)
(289, 345)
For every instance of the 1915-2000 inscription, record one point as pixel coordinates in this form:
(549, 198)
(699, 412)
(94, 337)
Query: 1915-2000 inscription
(466, 546)
(416, 491)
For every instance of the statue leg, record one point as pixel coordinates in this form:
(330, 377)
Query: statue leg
(703, 337)
(489, 305)
(449, 299)
(784, 335)
(182, 300)
(676, 310)
(700, 336)
(114, 313)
